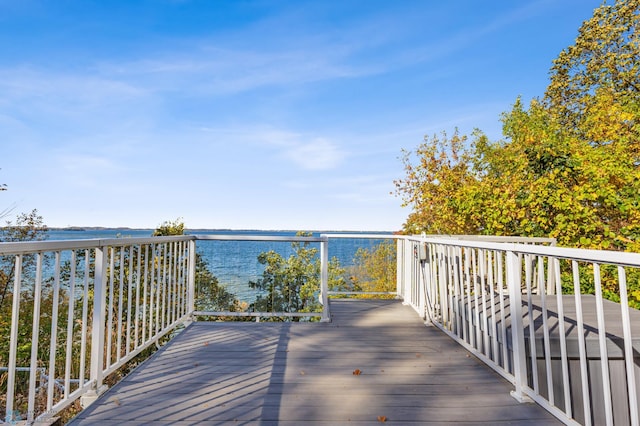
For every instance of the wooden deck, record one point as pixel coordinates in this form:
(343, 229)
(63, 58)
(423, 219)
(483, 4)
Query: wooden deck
(293, 374)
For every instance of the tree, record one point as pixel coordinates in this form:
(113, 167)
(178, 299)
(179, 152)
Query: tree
(27, 227)
(604, 61)
(292, 284)
(432, 186)
(168, 228)
(569, 167)
(374, 270)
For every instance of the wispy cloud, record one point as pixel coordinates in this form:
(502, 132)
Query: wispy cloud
(311, 153)
(360, 188)
(79, 163)
(318, 154)
(276, 104)
(437, 46)
(211, 70)
(67, 102)
(23, 83)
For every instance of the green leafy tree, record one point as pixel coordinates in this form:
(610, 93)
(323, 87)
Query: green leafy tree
(293, 284)
(27, 227)
(570, 165)
(374, 270)
(594, 94)
(604, 62)
(168, 228)
(432, 185)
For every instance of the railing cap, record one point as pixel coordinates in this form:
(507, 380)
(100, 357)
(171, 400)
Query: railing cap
(55, 245)
(584, 255)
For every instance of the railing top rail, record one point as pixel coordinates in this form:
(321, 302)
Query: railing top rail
(585, 255)
(55, 245)
(380, 236)
(495, 238)
(24, 247)
(284, 238)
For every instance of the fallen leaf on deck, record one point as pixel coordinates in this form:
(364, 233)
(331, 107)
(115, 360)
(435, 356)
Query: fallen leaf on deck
(382, 419)
(357, 372)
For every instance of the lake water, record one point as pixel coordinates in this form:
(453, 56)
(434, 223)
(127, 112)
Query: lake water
(235, 263)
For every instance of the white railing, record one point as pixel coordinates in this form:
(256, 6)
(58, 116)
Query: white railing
(323, 311)
(536, 314)
(92, 305)
(533, 312)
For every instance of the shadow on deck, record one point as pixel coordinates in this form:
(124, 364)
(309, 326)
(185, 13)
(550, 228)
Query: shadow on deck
(292, 373)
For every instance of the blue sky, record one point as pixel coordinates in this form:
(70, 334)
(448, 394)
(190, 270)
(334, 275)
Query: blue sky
(252, 114)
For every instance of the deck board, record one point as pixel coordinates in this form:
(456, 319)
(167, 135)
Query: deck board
(292, 373)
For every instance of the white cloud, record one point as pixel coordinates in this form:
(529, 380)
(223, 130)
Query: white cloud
(84, 171)
(358, 189)
(22, 83)
(319, 154)
(305, 152)
(218, 70)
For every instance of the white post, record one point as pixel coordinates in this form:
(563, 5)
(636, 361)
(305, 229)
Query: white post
(324, 278)
(399, 266)
(97, 328)
(192, 277)
(13, 346)
(54, 332)
(514, 277)
(421, 287)
(35, 338)
(429, 294)
(632, 392)
(408, 272)
(443, 293)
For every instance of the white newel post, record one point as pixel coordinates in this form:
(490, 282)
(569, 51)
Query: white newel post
(400, 273)
(427, 285)
(324, 278)
(421, 284)
(514, 278)
(13, 347)
(408, 272)
(98, 328)
(192, 278)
